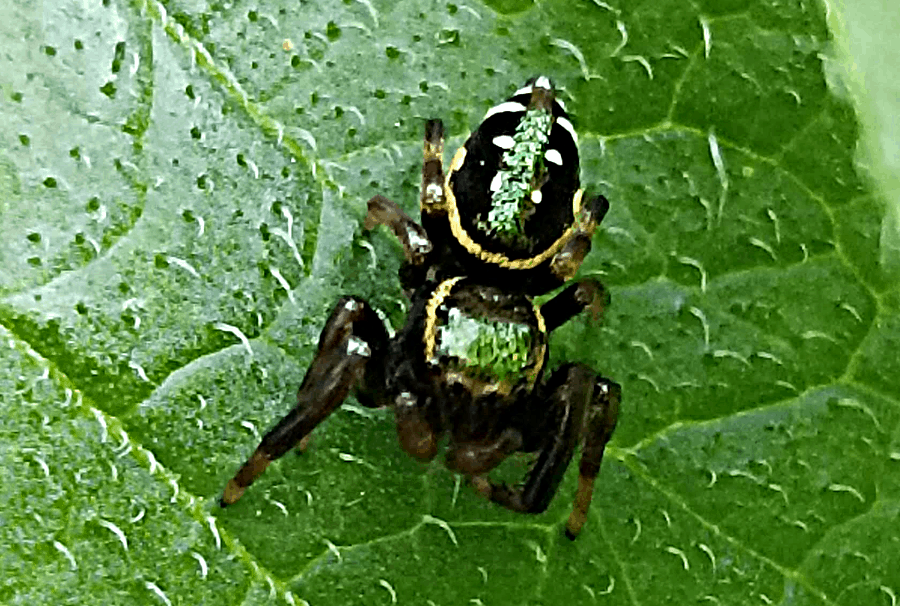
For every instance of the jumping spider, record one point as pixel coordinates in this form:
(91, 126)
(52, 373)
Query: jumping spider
(506, 224)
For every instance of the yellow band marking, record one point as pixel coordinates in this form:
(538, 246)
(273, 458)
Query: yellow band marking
(440, 293)
(542, 352)
(498, 258)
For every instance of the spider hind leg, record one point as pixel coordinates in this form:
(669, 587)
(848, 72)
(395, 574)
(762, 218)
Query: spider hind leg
(567, 261)
(382, 211)
(431, 198)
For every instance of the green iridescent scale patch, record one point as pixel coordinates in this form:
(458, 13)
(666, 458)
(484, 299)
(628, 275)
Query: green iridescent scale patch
(491, 350)
(518, 164)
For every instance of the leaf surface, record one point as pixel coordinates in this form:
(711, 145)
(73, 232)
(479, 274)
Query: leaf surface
(183, 187)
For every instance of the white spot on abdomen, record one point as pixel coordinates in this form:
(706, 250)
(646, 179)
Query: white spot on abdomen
(552, 155)
(504, 142)
(569, 128)
(506, 107)
(495, 182)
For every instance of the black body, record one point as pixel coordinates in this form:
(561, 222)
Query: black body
(469, 364)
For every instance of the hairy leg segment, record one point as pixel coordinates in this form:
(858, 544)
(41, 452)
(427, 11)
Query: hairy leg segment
(350, 347)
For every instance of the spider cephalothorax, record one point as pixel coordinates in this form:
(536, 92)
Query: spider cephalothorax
(508, 222)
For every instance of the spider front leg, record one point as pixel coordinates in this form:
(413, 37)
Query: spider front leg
(600, 422)
(555, 430)
(351, 352)
(582, 406)
(602, 414)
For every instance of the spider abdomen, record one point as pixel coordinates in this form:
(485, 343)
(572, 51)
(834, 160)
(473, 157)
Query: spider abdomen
(513, 188)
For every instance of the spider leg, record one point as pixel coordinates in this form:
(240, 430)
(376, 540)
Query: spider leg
(475, 459)
(431, 199)
(382, 211)
(416, 435)
(352, 336)
(412, 236)
(556, 436)
(587, 293)
(602, 414)
(567, 261)
(580, 404)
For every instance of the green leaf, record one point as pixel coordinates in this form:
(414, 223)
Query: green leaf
(182, 186)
